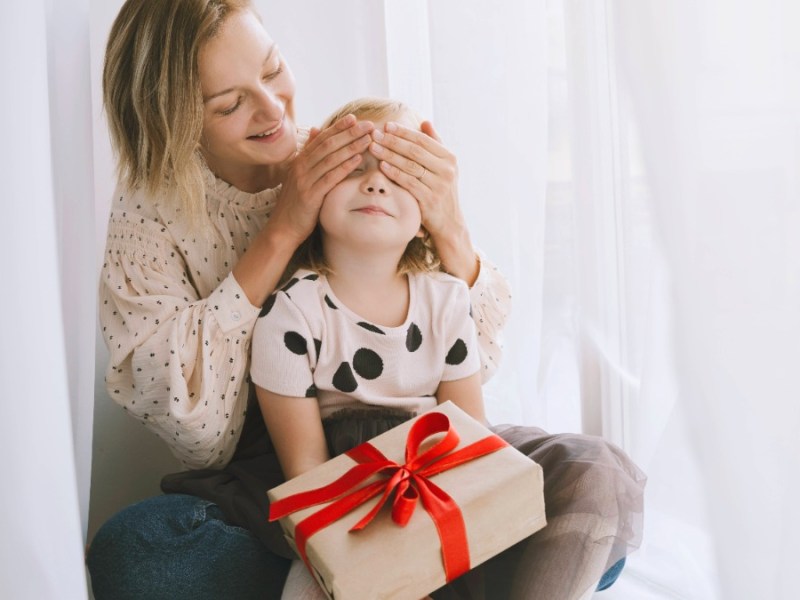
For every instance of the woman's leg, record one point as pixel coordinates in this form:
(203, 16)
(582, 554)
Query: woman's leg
(178, 546)
(593, 498)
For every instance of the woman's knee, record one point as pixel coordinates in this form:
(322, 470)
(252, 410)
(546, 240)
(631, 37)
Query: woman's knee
(178, 546)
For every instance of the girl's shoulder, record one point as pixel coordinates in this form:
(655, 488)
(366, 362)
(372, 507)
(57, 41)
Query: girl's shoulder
(301, 290)
(302, 281)
(440, 292)
(440, 281)
(295, 304)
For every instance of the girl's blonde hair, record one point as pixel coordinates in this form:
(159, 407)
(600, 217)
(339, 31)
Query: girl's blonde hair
(420, 255)
(152, 94)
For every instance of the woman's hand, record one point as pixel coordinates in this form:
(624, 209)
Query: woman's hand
(327, 158)
(418, 162)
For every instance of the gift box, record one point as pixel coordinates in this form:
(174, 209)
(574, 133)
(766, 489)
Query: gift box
(412, 509)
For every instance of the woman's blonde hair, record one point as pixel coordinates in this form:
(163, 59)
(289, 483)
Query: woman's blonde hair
(152, 94)
(420, 255)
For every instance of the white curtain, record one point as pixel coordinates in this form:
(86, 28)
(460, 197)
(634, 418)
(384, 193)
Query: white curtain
(47, 340)
(633, 167)
(716, 91)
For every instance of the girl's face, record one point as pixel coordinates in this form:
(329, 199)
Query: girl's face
(247, 102)
(369, 211)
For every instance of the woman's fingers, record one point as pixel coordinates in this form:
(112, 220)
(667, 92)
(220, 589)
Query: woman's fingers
(415, 185)
(346, 137)
(418, 137)
(330, 155)
(416, 153)
(330, 158)
(415, 167)
(427, 129)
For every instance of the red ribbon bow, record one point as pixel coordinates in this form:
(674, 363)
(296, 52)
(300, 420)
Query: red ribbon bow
(409, 482)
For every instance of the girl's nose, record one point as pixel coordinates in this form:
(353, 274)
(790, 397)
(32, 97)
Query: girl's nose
(375, 181)
(372, 189)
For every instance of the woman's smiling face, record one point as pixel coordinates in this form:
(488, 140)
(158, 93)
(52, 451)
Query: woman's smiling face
(248, 91)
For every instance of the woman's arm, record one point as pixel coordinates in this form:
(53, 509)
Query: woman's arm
(177, 361)
(490, 298)
(295, 428)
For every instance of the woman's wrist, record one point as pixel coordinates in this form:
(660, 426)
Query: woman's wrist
(458, 257)
(261, 267)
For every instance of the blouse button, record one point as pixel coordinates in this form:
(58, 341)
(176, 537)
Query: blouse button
(236, 315)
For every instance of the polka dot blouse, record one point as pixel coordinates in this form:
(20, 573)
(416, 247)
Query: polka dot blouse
(178, 326)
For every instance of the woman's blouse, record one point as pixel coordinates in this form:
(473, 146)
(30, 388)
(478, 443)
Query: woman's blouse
(178, 325)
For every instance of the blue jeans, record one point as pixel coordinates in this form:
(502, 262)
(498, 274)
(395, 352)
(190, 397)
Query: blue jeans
(177, 546)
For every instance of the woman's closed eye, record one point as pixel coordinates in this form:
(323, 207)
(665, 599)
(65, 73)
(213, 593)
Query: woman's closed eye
(230, 109)
(273, 74)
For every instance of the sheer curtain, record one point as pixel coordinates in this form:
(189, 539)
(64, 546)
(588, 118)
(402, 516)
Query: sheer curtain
(716, 91)
(46, 348)
(632, 166)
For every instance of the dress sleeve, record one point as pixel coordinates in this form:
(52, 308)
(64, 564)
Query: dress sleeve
(490, 296)
(284, 349)
(463, 356)
(178, 361)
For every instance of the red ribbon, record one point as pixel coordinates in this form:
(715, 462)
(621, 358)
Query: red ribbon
(409, 482)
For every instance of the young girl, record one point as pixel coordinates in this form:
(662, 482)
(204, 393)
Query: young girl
(366, 334)
(366, 327)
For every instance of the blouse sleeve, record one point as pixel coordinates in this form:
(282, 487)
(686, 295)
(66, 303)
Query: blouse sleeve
(491, 304)
(463, 356)
(178, 362)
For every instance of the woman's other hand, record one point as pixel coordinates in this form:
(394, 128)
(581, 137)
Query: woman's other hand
(417, 161)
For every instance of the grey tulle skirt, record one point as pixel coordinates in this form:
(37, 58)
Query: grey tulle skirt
(593, 499)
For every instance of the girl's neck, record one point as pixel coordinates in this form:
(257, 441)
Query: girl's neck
(370, 286)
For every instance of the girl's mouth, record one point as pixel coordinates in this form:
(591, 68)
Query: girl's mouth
(373, 210)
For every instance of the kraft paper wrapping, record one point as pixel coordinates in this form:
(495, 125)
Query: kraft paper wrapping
(500, 496)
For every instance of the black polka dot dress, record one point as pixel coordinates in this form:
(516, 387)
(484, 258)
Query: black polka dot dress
(308, 343)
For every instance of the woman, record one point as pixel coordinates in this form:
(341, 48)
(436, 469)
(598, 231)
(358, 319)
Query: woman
(200, 106)
(217, 189)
